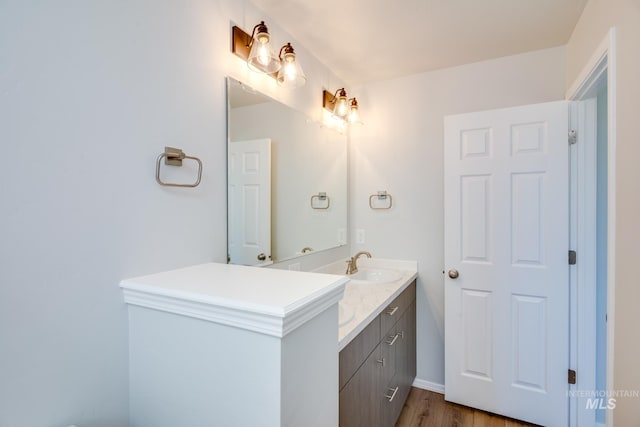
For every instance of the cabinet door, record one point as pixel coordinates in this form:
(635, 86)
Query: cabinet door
(353, 355)
(407, 347)
(405, 368)
(360, 398)
(389, 352)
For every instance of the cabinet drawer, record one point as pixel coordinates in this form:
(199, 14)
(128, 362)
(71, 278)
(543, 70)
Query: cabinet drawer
(394, 311)
(353, 355)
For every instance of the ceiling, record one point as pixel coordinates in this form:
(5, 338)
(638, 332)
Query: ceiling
(370, 40)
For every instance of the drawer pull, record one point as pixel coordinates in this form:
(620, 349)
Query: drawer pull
(392, 340)
(393, 394)
(392, 311)
(380, 361)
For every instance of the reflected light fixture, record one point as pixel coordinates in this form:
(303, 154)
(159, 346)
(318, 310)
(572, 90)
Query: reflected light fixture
(290, 74)
(340, 106)
(336, 103)
(256, 49)
(354, 115)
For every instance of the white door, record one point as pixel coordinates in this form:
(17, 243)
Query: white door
(250, 202)
(507, 237)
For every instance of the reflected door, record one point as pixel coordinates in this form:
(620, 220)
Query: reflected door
(249, 174)
(507, 274)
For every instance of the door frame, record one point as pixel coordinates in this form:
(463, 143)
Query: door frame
(601, 65)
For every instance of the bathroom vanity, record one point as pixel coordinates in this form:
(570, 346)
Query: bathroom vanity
(377, 346)
(218, 344)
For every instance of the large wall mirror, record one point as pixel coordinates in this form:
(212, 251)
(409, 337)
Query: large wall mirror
(287, 181)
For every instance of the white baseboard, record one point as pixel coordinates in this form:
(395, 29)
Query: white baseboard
(428, 385)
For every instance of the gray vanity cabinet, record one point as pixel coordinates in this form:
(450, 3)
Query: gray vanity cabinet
(378, 367)
(398, 388)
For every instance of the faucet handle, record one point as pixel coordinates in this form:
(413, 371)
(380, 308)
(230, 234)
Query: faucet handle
(349, 266)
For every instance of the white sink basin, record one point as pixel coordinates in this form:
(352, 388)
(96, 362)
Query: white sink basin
(375, 275)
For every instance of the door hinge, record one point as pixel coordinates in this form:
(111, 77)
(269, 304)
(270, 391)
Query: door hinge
(572, 376)
(573, 257)
(573, 137)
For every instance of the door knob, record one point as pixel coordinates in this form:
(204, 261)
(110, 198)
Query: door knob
(454, 274)
(262, 257)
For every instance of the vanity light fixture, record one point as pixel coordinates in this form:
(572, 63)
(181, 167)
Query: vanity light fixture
(256, 50)
(341, 106)
(290, 74)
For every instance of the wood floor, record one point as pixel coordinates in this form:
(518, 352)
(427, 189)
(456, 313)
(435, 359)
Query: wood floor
(428, 409)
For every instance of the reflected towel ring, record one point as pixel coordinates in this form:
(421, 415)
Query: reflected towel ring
(322, 196)
(382, 195)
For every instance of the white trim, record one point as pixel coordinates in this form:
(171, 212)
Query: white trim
(263, 323)
(573, 244)
(583, 274)
(591, 72)
(611, 211)
(234, 295)
(428, 385)
(604, 59)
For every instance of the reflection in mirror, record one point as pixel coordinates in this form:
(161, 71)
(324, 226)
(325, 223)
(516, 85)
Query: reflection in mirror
(287, 181)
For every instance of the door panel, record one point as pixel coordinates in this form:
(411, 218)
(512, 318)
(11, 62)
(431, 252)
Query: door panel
(506, 233)
(475, 191)
(477, 334)
(249, 198)
(529, 341)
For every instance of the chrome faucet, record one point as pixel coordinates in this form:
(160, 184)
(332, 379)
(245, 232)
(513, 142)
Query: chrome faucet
(352, 264)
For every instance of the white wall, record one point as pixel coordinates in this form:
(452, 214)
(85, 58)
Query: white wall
(596, 20)
(90, 93)
(400, 149)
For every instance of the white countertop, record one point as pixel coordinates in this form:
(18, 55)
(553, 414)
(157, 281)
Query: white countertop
(268, 301)
(366, 301)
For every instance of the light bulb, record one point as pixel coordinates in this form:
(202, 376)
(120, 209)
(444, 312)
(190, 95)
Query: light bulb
(354, 115)
(341, 106)
(263, 54)
(290, 70)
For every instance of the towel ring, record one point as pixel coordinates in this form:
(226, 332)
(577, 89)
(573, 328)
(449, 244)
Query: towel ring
(382, 195)
(173, 157)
